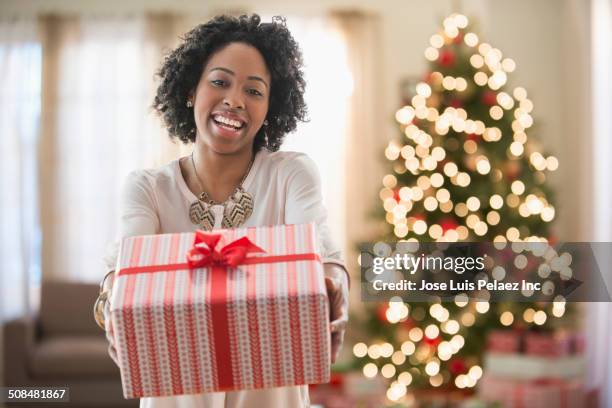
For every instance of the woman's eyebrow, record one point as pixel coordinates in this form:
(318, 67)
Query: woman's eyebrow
(229, 71)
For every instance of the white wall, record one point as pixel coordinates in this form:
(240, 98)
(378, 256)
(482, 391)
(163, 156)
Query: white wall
(546, 38)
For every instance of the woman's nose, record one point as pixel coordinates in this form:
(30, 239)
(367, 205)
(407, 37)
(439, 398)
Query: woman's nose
(234, 99)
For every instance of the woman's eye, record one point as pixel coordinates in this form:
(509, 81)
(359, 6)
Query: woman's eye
(218, 82)
(255, 92)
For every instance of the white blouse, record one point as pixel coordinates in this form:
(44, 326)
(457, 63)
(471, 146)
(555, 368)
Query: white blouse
(286, 189)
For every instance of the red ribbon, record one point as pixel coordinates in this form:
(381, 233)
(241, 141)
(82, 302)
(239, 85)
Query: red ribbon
(204, 252)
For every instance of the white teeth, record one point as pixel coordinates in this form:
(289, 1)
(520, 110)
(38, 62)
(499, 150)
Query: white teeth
(227, 121)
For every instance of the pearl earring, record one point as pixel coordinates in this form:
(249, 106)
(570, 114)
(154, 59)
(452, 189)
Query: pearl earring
(189, 104)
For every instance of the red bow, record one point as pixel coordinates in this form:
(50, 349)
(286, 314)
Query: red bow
(203, 252)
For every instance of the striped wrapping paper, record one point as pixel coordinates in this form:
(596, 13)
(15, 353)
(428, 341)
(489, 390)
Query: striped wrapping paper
(189, 331)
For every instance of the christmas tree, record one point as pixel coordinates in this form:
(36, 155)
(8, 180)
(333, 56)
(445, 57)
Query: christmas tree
(466, 168)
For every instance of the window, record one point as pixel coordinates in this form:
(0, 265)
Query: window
(20, 96)
(329, 85)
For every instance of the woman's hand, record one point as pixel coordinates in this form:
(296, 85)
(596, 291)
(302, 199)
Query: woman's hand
(106, 287)
(336, 282)
(110, 334)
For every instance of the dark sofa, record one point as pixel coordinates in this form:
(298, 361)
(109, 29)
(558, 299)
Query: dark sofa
(63, 346)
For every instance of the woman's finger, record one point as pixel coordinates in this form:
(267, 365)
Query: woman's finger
(338, 315)
(338, 325)
(332, 285)
(336, 345)
(110, 334)
(335, 294)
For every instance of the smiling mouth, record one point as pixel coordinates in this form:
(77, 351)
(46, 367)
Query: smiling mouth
(230, 124)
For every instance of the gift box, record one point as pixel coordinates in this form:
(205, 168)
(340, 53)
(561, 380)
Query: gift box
(528, 367)
(349, 390)
(578, 343)
(544, 393)
(504, 341)
(230, 310)
(545, 344)
(548, 344)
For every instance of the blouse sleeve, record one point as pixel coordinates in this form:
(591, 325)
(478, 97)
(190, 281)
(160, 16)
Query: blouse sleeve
(305, 204)
(137, 213)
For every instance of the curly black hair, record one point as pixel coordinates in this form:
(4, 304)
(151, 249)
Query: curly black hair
(182, 69)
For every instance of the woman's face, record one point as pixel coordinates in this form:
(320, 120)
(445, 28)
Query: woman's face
(231, 99)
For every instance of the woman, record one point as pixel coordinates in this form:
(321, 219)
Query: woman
(233, 88)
